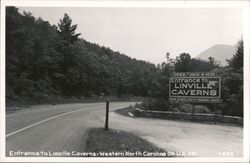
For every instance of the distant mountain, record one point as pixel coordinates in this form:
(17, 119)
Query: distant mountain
(220, 52)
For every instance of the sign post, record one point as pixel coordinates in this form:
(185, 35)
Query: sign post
(107, 117)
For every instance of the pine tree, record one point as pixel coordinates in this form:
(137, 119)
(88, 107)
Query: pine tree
(237, 61)
(66, 30)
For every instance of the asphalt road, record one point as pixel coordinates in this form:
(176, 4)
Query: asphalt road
(58, 128)
(54, 128)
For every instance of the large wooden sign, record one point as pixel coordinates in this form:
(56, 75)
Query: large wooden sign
(203, 87)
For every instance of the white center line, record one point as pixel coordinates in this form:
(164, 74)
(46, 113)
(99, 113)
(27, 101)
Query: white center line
(53, 117)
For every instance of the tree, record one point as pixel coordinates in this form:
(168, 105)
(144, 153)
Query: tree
(237, 61)
(29, 54)
(182, 62)
(213, 62)
(233, 87)
(231, 90)
(66, 46)
(66, 30)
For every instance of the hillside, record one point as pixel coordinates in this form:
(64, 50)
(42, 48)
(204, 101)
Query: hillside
(45, 62)
(220, 52)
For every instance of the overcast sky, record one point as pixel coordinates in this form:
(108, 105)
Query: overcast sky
(148, 33)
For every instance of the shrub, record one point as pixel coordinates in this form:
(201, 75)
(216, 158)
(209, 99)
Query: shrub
(156, 104)
(202, 109)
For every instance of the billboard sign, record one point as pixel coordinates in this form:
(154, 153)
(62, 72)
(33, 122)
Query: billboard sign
(195, 87)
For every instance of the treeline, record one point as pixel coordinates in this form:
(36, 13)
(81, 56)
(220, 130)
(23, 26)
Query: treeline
(46, 61)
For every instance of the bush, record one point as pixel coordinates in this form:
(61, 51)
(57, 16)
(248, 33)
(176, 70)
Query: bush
(163, 105)
(156, 104)
(202, 109)
(188, 108)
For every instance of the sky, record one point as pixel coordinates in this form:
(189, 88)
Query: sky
(149, 33)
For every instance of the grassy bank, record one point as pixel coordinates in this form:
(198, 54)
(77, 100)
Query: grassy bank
(115, 141)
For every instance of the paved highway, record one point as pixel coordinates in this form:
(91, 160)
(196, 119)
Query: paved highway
(64, 128)
(54, 128)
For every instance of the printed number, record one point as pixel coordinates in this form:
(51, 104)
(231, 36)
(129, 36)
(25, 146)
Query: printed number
(192, 153)
(226, 154)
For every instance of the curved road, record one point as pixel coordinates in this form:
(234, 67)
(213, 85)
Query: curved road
(64, 127)
(54, 128)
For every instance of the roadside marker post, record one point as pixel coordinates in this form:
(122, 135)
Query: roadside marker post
(107, 117)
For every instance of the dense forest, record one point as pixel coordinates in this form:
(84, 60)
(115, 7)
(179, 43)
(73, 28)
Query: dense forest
(46, 62)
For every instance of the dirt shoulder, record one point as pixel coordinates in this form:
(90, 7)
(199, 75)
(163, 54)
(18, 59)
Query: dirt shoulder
(194, 139)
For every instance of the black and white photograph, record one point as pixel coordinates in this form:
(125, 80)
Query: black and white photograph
(124, 81)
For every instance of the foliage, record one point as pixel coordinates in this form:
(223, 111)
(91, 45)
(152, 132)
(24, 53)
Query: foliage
(232, 84)
(45, 61)
(237, 61)
(156, 104)
(184, 63)
(231, 91)
(188, 108)
(66, 30)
